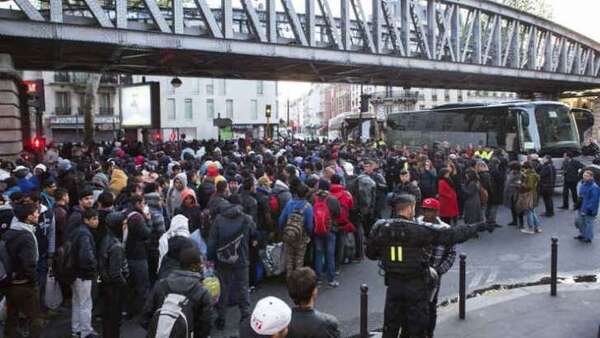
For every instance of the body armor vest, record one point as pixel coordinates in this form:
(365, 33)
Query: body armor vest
(401, 256)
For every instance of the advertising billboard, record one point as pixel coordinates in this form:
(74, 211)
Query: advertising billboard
(140, 105)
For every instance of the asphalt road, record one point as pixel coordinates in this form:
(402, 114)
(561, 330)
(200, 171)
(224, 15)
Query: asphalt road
(506, 256)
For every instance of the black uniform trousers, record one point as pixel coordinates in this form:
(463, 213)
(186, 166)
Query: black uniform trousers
(569, 187)
(547, 193)
(407, 307)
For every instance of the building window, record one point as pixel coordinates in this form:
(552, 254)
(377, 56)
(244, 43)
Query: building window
(260, 87)
(229, 108)
(447, 95)
(82, 103)
(223, 87)
(198, 86)
(171, 113)
(210, 88)
(434, 97)
(105, 105)
(189, 113)
(276, 88)
(210, 108)
(254, 110)
(63, 103)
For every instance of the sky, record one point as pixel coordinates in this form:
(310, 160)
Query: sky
(582, 16)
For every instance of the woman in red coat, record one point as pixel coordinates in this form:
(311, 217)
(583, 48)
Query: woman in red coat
(447, 197)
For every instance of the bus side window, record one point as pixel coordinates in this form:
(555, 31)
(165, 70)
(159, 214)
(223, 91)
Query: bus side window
(511, 142)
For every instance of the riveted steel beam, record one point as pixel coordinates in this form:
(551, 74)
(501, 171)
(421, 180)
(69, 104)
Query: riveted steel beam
(361, 18)
(209, 19)
(157, 16)
(98, 13)
(253, 20)
(294, 22)
(332, 30)
(31, 12)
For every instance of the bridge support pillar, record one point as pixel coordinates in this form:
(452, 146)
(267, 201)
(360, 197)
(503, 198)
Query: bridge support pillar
(11, 135)
(595, 135)
(538, 96)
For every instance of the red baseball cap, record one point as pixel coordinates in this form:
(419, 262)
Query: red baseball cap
(431, 203)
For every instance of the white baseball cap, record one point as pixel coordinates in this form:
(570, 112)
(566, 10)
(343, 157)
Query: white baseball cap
(19, 168)
(41, 167)
(270, 316)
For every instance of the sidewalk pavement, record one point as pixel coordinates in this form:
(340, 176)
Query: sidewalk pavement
(526, 312)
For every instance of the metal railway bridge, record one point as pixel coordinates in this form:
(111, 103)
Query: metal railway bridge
(441, 43)
(469, 44)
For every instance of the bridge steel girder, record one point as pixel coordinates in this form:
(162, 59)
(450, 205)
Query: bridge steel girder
(400, 69)
(468, 39)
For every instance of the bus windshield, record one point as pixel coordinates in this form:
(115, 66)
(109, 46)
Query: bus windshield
(556, 127)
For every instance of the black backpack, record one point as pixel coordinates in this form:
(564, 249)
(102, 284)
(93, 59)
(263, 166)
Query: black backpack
(175, 317)
(64, 262)
(104, 261)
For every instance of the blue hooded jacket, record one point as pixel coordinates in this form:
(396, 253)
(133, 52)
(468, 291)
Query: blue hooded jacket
(590, 194)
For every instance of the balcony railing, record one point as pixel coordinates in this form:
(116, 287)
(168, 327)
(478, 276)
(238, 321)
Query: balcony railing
(106, 111)
(109, 79)
(103, 111)
(399, 95)
(82, 78)
(62, 111)
(62, 77)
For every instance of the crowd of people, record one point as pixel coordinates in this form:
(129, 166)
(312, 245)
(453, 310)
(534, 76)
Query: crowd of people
(143, 228)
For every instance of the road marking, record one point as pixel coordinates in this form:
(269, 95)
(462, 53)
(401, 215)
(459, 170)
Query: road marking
(476, 279)
(492, 277)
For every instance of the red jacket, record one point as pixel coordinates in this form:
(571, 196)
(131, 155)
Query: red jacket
(448, 199)
(346, 203)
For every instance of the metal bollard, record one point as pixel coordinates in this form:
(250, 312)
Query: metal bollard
(364, 306)
(553, 266)
(462, 292)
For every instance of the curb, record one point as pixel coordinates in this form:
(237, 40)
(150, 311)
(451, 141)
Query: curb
(494, 297)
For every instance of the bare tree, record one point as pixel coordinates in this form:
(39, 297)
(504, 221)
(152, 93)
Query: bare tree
(537, 7)
(91, 102)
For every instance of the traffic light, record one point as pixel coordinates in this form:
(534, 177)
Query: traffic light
(35, 94)
(157, 136)
(38, 143)
(268, 111)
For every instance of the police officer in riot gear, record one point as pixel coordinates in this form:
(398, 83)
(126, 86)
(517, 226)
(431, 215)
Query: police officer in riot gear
(403, 248)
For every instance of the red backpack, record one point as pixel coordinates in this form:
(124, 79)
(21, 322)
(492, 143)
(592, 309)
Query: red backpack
(274, 204)
(321, 216)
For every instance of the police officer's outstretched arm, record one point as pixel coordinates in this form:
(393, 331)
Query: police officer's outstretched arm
(459, 234)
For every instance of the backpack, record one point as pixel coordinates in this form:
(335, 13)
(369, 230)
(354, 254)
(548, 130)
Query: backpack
(321, 216)
(229, 252)
(104, 261)
(64, 262)
(366, 192)
(175, 317)
(5, 264)
(274, 204)
(293, 231)
(483, 195)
